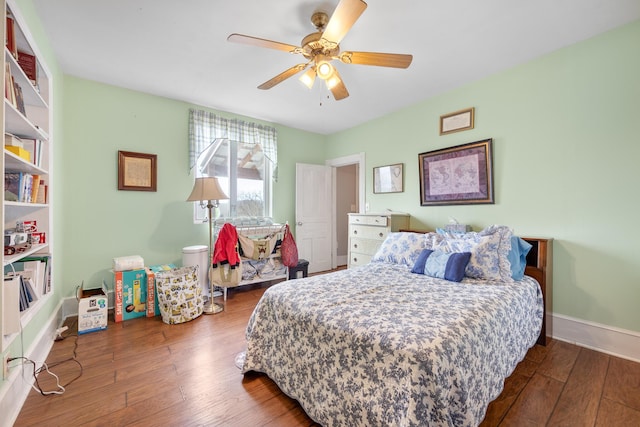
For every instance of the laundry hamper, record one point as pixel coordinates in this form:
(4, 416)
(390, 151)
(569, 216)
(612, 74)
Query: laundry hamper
(179, 294)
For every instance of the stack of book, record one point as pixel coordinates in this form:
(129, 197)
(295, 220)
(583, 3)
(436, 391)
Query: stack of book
(25, 187)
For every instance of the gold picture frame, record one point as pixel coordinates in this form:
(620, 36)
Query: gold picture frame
(457, 121)
(137, 171)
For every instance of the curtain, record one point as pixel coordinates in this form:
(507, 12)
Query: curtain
(205, 128)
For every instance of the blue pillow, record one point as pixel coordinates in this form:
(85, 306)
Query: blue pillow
(517, 257)
(448, 266)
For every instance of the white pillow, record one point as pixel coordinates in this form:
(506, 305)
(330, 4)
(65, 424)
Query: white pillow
(489, 252)
(404, 247)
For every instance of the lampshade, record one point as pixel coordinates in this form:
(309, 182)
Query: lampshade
(308, 77)
(207, 188)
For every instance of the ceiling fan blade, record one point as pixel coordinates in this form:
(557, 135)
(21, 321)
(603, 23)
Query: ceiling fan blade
(336, 86)
(282, 76)
(255, 41)
(346, 14)
(394, 60)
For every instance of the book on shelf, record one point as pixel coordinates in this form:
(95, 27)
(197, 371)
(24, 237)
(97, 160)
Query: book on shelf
(29, 286)
(42, 193)
(9, 89)
(10, 36)
(11, 186)
(19, 102)
(28, 64)
(27, 186)
(35, 187)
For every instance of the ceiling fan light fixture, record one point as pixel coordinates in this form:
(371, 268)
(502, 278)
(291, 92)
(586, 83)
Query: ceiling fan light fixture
(332, 81)
(309, 77)
(324, 70)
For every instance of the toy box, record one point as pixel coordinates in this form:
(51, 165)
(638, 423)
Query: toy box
(92, 309)
(130, 294)
(153, 309)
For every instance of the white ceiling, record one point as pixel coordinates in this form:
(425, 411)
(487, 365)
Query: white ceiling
(178, 49)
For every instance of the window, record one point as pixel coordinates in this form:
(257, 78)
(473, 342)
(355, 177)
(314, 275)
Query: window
(243, 156)
(245, 184)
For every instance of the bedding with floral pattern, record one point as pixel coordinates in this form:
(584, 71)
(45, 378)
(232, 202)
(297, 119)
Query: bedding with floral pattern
(379, 345)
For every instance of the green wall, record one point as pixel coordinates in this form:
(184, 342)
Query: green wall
(566, 152)
(100, 222)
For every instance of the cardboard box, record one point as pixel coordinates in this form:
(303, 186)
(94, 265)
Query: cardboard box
(19, 151)
(92, 309)
(153, 308)
(130, 294)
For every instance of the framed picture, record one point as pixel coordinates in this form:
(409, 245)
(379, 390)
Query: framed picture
(457, 121)
(459, 175)
(137, 171)
(388, 179)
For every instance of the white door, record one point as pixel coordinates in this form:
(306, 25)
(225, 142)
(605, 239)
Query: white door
(313, 215)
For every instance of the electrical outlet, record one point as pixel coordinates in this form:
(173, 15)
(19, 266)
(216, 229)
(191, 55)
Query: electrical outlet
(5, 366)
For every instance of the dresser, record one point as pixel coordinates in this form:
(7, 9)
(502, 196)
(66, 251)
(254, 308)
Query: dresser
(367, 232)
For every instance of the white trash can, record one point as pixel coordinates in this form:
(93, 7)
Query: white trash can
(198, 255)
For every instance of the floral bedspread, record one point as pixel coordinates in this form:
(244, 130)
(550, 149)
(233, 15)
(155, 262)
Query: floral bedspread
(380, 346)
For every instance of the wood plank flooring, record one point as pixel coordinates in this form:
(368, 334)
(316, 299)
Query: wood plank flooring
(143, 372)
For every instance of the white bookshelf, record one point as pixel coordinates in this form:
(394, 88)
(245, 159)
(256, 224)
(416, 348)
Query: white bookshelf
(34, 124)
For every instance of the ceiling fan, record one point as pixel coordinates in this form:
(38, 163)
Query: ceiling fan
(323, 46)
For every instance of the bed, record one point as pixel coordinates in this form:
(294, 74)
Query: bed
(382, 345)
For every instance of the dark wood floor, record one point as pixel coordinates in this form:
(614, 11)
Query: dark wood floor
(143, 372)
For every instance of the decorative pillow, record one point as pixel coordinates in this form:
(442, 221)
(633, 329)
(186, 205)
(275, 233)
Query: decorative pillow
(448, 266)
(489, 249)
(518, 257)
(402, 248)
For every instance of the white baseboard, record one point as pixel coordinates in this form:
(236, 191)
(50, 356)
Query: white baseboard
(14, 391)
(606, 339)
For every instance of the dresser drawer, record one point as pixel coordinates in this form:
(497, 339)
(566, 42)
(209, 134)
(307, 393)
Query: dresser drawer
(368, 232)
(364, 246)
(380, 221)
(358, 259)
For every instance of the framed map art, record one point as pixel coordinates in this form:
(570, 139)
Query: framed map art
(459, 175)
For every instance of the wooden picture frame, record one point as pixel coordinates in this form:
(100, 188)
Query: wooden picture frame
(457, 121)
(388, 179)
(137, 171)
(459, 175)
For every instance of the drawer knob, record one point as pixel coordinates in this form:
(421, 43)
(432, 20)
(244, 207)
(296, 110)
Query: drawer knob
(355, 245)
(355, 231)
(381, 234)
(355, 259)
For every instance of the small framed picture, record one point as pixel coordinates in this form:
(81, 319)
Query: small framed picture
(388, 179)
(457, 121)
(137, 171)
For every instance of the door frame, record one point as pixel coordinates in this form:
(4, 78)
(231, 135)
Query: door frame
(354, 159)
